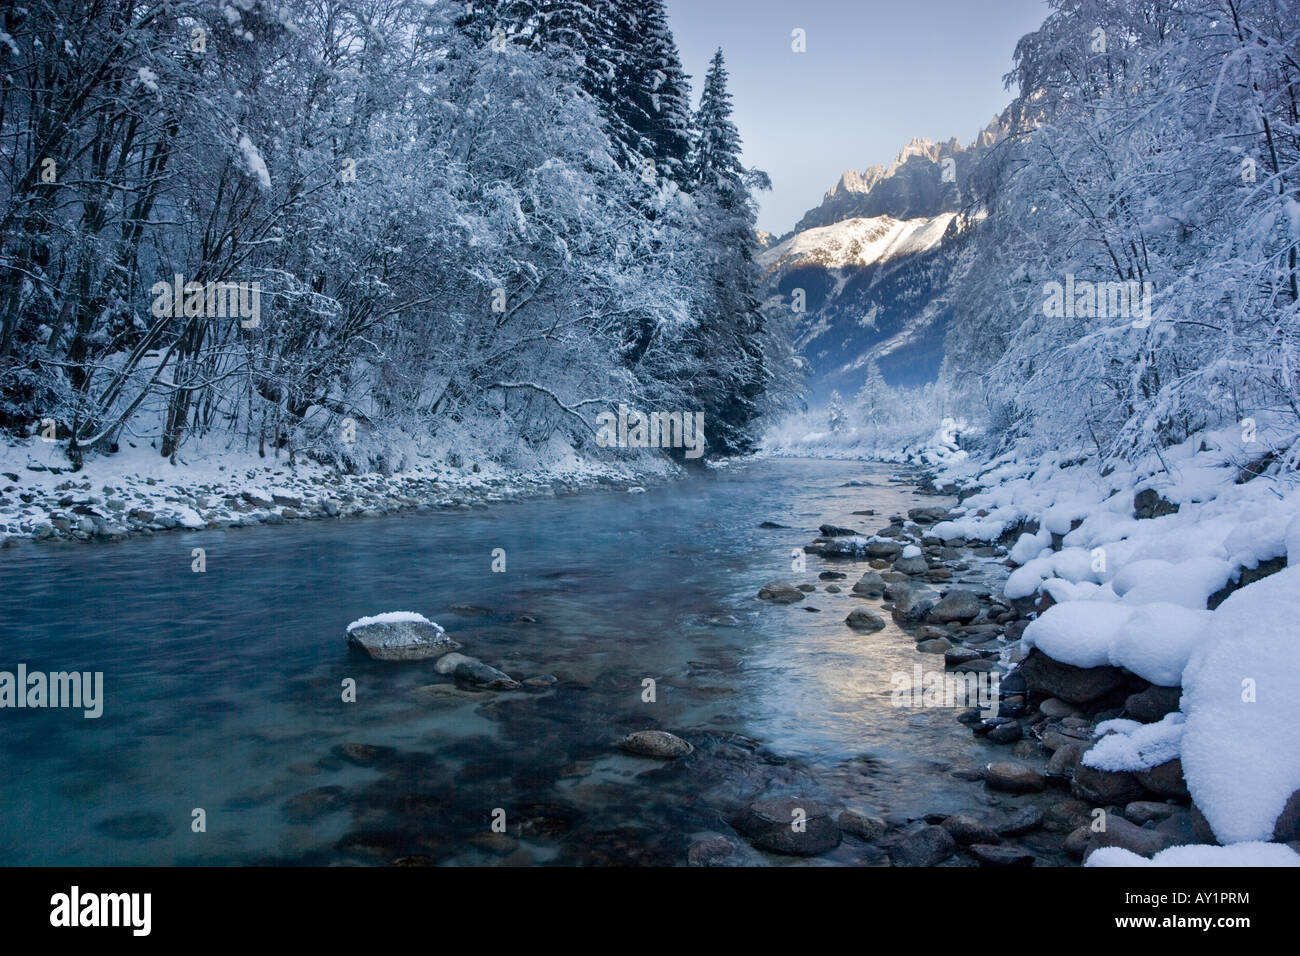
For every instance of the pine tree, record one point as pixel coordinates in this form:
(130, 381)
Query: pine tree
(656, 92)
(732, 329)
(717, 163)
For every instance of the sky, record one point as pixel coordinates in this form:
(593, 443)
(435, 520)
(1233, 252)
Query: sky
(875, 74)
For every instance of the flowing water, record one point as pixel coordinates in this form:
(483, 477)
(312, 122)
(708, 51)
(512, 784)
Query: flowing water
(223, 690)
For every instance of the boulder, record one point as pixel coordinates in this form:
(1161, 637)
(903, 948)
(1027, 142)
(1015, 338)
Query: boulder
(967, 830)
(863, 826)
(1149, 504)
(912, 606)
(1024, 820)
(1011, 777)
(936, 645)
(1105, 788)
(789, 825)
(471, 670)
(957, 606)
(1141, 812)
(1151, 705)
(860, 619)
(994, 855)
(1065, 760)
(917, 565)
(833, 531)
(928, 846)
(1119, 832)
(655, 743)
(884, 549)
(780, 592)
(1165, 780)
(870, 585)
(400, 636)
(1077, 685)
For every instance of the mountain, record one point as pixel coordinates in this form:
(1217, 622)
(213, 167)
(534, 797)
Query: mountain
(914, 186)
(874, 262)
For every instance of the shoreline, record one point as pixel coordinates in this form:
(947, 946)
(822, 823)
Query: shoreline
(44, 503)
(1048, 714)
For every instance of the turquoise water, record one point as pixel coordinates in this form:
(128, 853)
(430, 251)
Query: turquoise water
(224, 689)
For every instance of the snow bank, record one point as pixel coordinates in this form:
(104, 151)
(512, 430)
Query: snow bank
(1241, 694)
(1135, 593)
(1239, 854)
(1078, 632)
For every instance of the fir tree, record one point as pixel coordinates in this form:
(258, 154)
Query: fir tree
(732, 326)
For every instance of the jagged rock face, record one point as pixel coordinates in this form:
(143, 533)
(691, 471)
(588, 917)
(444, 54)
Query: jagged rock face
(912, 187)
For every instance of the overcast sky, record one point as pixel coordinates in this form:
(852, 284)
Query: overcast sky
(875, 74)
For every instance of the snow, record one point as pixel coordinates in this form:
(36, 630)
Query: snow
(915, 438)
(1135, 593)
(195, 491)
(1239, 854)
(1187, 583)
(911, 551)
(1078, 632)
(254, 162)
(390, 617)
(1130, 745)
(1157, 640)
(857, 242)
(1030, 546)
(1241, 746)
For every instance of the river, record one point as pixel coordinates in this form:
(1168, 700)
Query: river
(223, 689)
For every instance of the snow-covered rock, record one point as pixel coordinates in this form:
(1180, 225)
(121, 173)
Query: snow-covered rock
(400, 636)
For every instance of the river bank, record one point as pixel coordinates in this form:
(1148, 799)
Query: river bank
(139, 493)
(1154, 602)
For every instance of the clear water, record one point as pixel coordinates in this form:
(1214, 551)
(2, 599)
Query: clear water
(224, 689)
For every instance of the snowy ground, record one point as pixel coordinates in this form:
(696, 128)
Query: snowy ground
(1137, 592)
(806, 436)
(138, 492)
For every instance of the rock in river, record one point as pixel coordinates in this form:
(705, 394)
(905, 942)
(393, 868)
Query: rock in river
(957, 605)
(789, 825)
(474, 671)
(860, 619)
(870, 585)
(780, 592)
(1012, 777)
(1077, 685)
(926, 847)
(655, 743)
(400, 636)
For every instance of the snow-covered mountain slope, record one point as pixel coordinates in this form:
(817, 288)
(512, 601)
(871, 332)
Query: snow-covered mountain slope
(857, 242)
